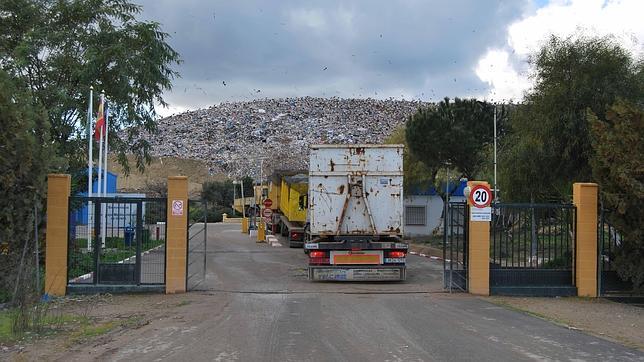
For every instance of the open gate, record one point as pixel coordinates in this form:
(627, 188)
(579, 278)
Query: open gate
(197, 244)
(116, 241)
(455, 230)
(609, 240)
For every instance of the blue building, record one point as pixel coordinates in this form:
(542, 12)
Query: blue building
(79, 216)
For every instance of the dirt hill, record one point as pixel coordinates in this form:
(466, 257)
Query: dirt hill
(154, 178)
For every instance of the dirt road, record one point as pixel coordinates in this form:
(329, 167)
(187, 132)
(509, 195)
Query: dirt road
(256, 305)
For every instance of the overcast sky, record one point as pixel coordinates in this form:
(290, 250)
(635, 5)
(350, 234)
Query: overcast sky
(411, 49)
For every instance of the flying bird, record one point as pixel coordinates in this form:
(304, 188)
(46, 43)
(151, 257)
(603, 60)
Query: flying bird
(224, 83)
(325, 68)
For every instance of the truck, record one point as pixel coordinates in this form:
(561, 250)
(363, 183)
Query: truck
(356, 213)
(288, 192)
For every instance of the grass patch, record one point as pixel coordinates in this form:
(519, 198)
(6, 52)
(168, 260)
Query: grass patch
(46, 324)
(183, 303)
(91, 330)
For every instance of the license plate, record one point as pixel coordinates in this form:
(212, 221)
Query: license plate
(373, 257)
(395, 260)
(357, 274)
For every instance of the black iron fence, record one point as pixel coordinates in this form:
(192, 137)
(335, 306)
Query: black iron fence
(116, 240)
(455, 239)
(532, 245)
(609, 241)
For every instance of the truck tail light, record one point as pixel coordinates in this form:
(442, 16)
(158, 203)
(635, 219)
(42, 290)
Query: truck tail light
(397, 254)
(295, 235)
(318, 257)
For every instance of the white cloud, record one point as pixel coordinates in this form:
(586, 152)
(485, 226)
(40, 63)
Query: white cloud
(507, 83)
(500, 68)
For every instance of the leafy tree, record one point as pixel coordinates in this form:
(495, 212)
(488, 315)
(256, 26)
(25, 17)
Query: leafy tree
(551, 144)
(25, 159)
(57, 49)
(219, 192)
(415, 172)
(618, 166)
(453, 132)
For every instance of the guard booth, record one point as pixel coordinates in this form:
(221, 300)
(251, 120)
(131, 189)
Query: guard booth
(116, 241)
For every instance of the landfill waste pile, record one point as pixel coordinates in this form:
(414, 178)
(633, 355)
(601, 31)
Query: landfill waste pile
(234, 138)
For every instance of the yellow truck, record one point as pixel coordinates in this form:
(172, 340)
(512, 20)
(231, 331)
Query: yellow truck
(288, 192)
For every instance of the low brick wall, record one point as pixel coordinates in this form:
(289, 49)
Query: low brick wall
(228, 220)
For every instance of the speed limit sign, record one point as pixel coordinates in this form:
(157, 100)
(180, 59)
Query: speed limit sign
(480, 196)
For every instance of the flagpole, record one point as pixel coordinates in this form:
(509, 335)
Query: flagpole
(90, 168)
(106, 117)
(106, 114)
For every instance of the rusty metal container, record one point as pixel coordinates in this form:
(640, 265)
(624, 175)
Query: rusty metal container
(356, 190)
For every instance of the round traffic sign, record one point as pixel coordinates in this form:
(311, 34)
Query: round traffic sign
(267, 213)
(480, 196)
(268, 203)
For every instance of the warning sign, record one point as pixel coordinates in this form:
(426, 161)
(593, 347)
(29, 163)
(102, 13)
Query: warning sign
(177, 207)
(267, 213)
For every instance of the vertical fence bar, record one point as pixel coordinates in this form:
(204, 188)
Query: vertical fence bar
(205, 237)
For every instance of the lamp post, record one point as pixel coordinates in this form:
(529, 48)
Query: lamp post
(243, 201)
(234, 195)
(495, 187)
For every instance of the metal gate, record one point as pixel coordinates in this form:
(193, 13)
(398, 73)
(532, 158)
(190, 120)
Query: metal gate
(455, 230)
(532, 248)
(116, 241)
(609, 241)
(197, 244)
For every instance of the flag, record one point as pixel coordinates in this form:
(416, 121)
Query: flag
(100, 122)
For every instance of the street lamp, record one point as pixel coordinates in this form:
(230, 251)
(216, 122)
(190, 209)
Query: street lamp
(242, 196)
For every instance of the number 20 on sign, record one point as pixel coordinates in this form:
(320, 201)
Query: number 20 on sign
(480, 197)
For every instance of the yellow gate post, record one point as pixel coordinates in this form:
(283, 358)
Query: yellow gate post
(177, 235)
(244, 225)
(584, 196)
(261, 231)
(478, 259)
(58, 190)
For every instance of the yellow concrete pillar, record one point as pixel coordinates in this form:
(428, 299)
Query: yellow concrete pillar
(58, 190)
(584, 196)
(478, 268)
(244, 225)
(261, 231)
(177, 235)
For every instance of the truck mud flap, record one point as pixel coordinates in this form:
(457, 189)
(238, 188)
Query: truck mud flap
(358, 273)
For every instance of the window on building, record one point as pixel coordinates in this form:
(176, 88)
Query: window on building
(415, 215)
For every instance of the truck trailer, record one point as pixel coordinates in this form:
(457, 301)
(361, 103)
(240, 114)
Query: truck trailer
(288, 193)
(356, 213)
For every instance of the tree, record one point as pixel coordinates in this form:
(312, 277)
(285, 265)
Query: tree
(453, 132)
(25, 159)
(551, 143)
(415, 172)
(618, 166)
(218, 193)
(57, 49)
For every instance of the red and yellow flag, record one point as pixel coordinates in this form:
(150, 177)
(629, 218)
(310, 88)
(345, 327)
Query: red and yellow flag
(100, 122)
